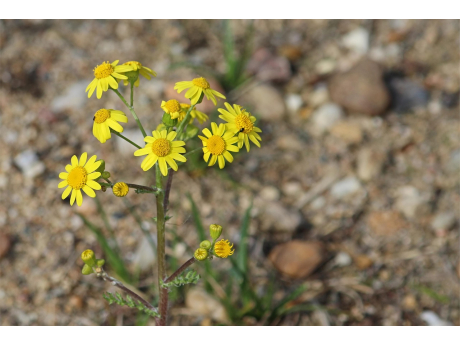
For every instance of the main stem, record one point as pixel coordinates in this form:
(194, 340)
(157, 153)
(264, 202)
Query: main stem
(161, 244)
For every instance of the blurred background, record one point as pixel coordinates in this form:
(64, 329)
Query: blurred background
(347, 215)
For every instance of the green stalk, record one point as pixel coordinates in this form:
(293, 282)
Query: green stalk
(131, 109)
(161, 244)
(124, 138)
(132, 94)
(184, 122)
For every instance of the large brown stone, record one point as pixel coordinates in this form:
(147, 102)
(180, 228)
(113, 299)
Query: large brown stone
(386, 223)
(361, 89)
(297, 259)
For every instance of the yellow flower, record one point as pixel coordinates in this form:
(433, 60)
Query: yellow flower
(144, 71)
(162, 148)
(223, 249)
(120, 189)
(104, 119)
(242, 122)
(80, 175)
(105, 75)
(218, 145)
(195, 114)
(171, 107)
(196, 87)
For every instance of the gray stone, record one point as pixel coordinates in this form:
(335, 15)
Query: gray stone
(293, 102)
(72, 98)
(443, 221)
(125, 148)
(279, 218)
(342, 259)
(29, 164)
(265, 102)
(345, 187)
(357, 40)
(432, 319)
(325, 116)
(409, 201)
(369, 163)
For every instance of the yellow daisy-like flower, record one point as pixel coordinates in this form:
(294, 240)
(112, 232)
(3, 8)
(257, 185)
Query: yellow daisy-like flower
(107, 74)
(120, 189)
(80, 175)
(242, 122)
(196, 87)
(195, 114)
(162, 148)
(223, 249)
(217, 145)
(104, 119)
(171, 107)
(144, 71)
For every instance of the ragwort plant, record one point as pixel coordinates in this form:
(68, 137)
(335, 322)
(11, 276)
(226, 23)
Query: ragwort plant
(164, 150)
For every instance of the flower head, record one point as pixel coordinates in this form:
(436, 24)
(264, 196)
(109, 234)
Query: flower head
(242, 122)
(194, 114)
(171, 107)
(223, 249)
(120, 189)
(80, 175)
(104, 119)
(197, 87)
(162, 148)
(88, 257)
(218, 145)
(106, 74)
(201, 254)
(144, 71)
(215, 230)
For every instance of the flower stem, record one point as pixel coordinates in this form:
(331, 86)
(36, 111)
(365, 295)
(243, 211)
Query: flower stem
(161, 244)
(181, 269)
(167, 190)
(193, 151)
(123, 137)
(131, 109)
(132, 94)
(184, 122)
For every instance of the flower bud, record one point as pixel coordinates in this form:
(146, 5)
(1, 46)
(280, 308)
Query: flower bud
(88, 257)
(168, 121)
(201, 254)
(105, 175)
(120, 189)
(205, 245)
(100, 262)
(215, 230)
(101, 167)
(86, 270)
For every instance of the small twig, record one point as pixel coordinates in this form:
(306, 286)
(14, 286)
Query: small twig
(119, 285)
(124, 138)
(181, 269)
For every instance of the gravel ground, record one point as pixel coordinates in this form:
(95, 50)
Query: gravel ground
(355, 188)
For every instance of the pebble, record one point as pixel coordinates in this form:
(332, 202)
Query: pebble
(29, 164)
(293, 102)
(292, 188)
(363, 262)
(454, 163)
(325, 116)
(270, 193)
(369, 163)
(350, 133)
(297, 259)
(266, 102)
(407, 94)
(5, 244)
(74, 97)
(345, 187)
(203, 304)
(443, 221)
(409, 302)
(343, 259)
(409, 201)
(361, 90)
(290, 143)
(432, 319)
(279, 218)
(125, 148)
(269, 67)
(325, 66)
(319, 96)
(357, 40)
(385, 223)
(144, 257)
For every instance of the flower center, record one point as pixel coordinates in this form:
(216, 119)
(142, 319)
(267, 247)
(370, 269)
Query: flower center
(134, 64)
(173, 106)
(77, 177)
(103, 70)
(201, 82)
(101, 115)
(216, 145)
(243, 123)
(161, 147)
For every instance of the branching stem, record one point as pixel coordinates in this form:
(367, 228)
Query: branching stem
(131, 109)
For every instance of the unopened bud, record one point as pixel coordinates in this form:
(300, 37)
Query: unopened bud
(205, 245)
(106, 175)
(88, 257)
(215, 230)
(201, 254)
